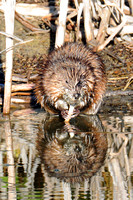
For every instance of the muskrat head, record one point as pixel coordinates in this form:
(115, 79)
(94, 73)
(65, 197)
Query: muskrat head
(68, 84)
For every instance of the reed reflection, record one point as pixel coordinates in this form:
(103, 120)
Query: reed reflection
(10, 161)
(72, 152)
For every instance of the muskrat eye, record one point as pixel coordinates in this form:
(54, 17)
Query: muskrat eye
(66, 81)
(79, 83)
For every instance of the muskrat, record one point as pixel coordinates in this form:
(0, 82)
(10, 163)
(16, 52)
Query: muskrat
(71, 80)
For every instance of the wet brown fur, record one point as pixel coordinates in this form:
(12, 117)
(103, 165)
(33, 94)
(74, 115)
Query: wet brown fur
(73, 74)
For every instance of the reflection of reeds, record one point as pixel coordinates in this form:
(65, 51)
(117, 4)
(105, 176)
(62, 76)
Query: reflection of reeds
(111, 181)
(10, 161)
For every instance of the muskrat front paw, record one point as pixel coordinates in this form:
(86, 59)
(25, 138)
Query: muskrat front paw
(68, 114)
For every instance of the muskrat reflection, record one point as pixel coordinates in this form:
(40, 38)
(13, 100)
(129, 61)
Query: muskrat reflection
(72, 152)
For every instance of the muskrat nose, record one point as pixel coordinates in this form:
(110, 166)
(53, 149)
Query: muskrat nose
(77, 148)
(77, 95)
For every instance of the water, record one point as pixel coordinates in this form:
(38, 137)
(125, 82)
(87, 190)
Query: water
(90, 158)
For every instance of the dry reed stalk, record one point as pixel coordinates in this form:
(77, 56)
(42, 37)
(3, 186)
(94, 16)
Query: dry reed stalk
(19, 78)
(117, 78)
(89, 33)
(71, 15)
(127, 29)
(21, 94)
(76, 4)
(17, 100)
(130, 80)
(103, 25)
(9, 8)
(25, 100)
(117, 29)
(60, 33)
(122, 5)
(22, 87)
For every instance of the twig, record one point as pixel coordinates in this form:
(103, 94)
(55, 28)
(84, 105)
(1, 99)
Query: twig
(117, 78)
(130, 80)
(52, 27)
(71, 15)
(38, 32)
(11, 36)
(25, 23)
(21, 94)
(33, 77)
(113, 55)
(12, 47)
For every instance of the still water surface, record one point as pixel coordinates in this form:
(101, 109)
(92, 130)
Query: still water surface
(43, 158)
